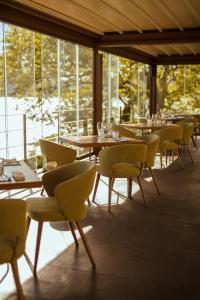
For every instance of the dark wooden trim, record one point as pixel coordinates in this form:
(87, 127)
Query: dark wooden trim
(178, 60)
(153, 72)
(17, 14)
(130, 53)
(97, 88)
(149, 38)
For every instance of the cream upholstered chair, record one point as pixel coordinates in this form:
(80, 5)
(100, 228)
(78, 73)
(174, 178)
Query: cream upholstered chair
(12, 235)
(169, 140)
(123, 131)
(195, 128)
(186, 136)
(67, 188)
(123, 161)
(56, 155)
(152, 141)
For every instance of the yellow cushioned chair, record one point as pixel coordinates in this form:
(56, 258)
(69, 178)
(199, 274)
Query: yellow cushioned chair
(152, 141)
(187, 134)
(56, 155)
(195, 128)
(12, 235)
(169, 140)
(123, 131)
(123, 161)
(67, 188)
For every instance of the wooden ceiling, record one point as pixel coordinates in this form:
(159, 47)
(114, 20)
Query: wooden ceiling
(162, 30)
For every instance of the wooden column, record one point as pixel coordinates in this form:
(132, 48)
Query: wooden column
(97, 89)
(153, 72)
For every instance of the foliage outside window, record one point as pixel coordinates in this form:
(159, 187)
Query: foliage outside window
(125, 89)
(178, 89)
(47, 79)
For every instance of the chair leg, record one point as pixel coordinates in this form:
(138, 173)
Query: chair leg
(96, 186)
(189, 153)
(71, 226)
(179, 157)
(194, 143)
(111, 182)
(85, 243)
(141, 189)
(28, 224)
(129, 187)
(39, 234)
(88, 201)
(166, 157)
(42, 192)
(154, 179)
(17, 280)
(161, 164)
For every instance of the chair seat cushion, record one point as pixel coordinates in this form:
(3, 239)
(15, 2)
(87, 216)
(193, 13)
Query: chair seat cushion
(44, 209)
(50, 165)
(125, 170)
(7, 246)
(169, 145)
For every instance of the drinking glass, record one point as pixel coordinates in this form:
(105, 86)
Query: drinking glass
(115, 135)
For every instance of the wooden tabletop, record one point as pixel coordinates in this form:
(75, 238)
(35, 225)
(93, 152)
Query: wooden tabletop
(152, 127)
(95, 141)
(31, 179)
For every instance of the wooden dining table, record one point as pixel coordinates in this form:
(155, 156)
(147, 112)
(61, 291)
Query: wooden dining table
(31, 180)
(93, 141)
(151, 127)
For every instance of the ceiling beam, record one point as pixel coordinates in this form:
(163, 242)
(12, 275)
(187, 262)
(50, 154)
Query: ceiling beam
(169, 13)
(145, 50)
(128, 20)
(191, 49)
(162, 50)
(131, 53)
(177, 60)
(146, 15)
(17, 14)
(95, 14)
(177, 49)
(150, 38)
(193, 9)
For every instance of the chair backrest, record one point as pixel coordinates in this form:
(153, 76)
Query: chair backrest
(13, 223)
(188, 120)
(172, 133)
(187, 132)
(56, 152)
(123, 131)
(71, 185)
(133, 153)
(152, 141)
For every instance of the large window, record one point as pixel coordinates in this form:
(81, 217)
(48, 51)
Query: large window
(178, 89)
(45, 90)
(125, 89)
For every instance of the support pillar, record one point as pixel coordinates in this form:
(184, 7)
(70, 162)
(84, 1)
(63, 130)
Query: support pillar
(153, 72)
(97, 88)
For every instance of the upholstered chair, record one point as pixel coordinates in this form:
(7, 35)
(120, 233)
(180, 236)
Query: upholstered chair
(67, 188)
(195, 128)
(186, 137)
(13, 236)
(123, 131)
(169, 141)
(56, 155)
(123, 161)
(152, 141)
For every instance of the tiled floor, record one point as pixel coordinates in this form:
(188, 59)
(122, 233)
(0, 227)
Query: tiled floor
(140, 253)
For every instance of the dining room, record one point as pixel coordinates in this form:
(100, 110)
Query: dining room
(99, 149)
